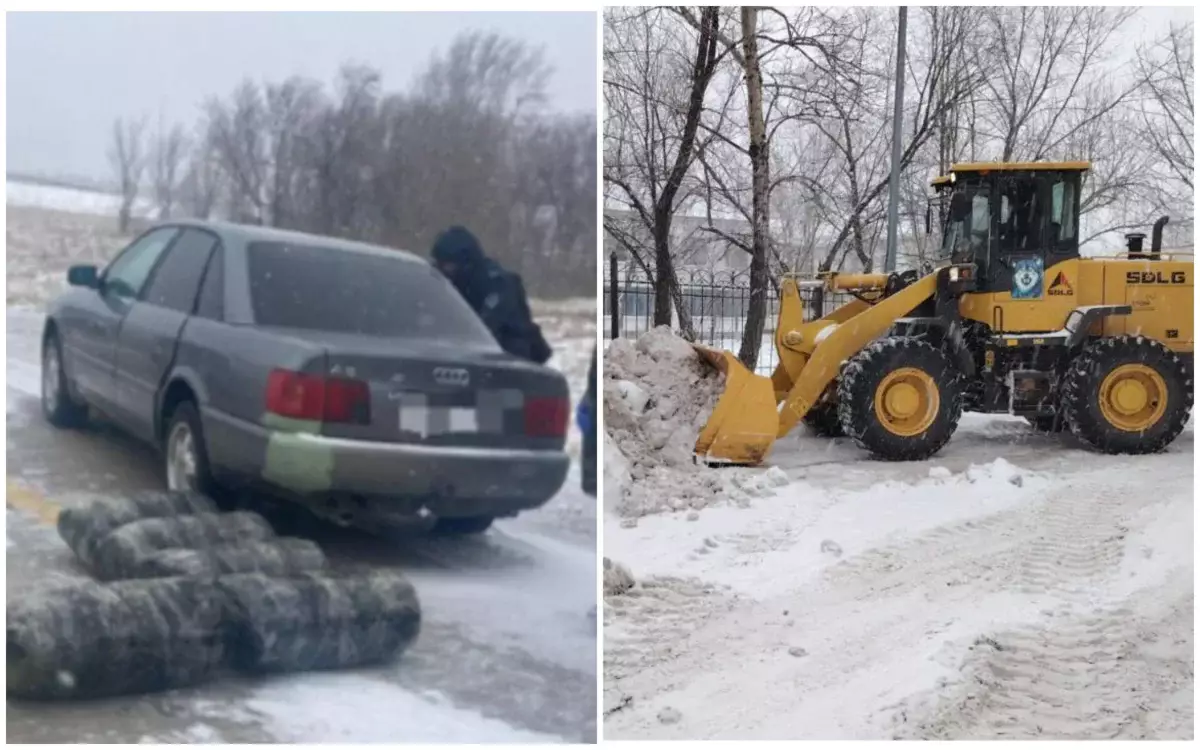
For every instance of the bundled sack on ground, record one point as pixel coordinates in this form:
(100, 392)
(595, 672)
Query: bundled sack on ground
(83, 528)
(318, 621)
(90, 640)
(279, 557)
(124, 552)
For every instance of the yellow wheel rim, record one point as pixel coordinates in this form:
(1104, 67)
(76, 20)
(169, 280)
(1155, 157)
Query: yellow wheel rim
(1133, 397)
(906, 401)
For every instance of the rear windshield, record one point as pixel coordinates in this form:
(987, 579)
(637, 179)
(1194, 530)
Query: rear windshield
(324, 289)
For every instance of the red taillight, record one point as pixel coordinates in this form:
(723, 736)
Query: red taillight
(300, 396)
(547, 417)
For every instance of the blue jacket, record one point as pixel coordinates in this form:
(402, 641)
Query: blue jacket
(496, 295)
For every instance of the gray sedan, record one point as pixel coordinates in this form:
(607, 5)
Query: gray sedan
(347, 377)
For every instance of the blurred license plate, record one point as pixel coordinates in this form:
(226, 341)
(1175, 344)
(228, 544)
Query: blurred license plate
(438, 420)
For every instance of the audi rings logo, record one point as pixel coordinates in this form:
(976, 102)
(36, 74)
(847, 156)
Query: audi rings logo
(451, 376)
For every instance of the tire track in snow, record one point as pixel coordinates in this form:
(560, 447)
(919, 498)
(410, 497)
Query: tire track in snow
(1073, 677)
(1079, 541)
(1079, 673)
(649, 624)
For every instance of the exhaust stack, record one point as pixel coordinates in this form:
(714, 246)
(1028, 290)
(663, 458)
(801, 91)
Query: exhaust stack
(1156, 235)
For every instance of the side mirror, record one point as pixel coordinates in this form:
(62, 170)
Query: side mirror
(928, 219)
(86, 276)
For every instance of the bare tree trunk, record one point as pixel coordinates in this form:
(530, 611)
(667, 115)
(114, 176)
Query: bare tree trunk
(702, 71)
(663, 270)
(760, 166)
(128, 160)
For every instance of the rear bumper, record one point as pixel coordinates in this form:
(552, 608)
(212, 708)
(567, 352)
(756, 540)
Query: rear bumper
(445, 481)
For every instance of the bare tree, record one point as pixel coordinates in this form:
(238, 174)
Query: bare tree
(203, 182)
(469, 144)
(654, 89)
(237, 133)
(940, 81)
(167, 158)
(1168, 113)
(127, 156)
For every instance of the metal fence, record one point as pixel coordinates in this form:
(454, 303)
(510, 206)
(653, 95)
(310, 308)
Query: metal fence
(717, 302)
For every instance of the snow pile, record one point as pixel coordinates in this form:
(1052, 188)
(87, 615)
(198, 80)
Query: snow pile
(617, 578)
(657, 396)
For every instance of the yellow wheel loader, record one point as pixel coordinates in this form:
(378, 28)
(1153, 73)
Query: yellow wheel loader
(1008, 319)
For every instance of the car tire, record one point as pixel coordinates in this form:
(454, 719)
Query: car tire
(462, 526)
(58, 405)
(183, 445)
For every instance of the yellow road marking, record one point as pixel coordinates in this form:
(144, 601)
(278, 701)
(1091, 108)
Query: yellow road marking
(31, 502)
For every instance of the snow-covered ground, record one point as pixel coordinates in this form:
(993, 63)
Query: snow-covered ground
(507, 651)
(72, 200)
(1015, 585)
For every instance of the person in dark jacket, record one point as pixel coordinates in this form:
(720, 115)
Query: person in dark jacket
(496, 295)
(585, 417)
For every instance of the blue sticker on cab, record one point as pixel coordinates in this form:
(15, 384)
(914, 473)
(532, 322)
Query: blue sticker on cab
(1027, 278)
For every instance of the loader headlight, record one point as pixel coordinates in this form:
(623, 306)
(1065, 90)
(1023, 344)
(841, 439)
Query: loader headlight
(961, 273)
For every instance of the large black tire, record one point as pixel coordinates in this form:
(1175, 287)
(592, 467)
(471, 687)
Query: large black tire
(276, 557)
(318, 621)
(58, 405)
(1096, 418)
(91, 640)
(122, 553)
(185, 417)
(462, 526)
(824, 421)
(84, 527)
(940, 397)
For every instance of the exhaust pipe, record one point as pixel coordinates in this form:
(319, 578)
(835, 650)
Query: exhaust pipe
(1156, 235)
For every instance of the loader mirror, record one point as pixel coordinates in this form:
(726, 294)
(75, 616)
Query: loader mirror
(928, 219)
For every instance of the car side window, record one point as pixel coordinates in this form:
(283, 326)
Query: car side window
(176, 280)
(127, 274)
(212, 291)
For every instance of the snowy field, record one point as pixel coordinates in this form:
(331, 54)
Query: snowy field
(71, 200)
(507, 651)
(1014, 586)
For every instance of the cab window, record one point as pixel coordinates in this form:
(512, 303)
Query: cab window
(1062, 210)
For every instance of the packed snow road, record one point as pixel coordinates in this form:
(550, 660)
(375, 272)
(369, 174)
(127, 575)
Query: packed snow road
(507, 651)
(1015, 586)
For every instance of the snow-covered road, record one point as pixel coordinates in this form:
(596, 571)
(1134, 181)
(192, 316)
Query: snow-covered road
(1014, 586)
(507, 651)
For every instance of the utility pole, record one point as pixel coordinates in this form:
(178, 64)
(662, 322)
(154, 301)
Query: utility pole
(889, 263)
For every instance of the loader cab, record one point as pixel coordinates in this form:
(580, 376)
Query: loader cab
(1012, 220)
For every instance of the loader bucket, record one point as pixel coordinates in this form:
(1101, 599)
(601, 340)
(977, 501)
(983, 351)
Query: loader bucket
(745, 420)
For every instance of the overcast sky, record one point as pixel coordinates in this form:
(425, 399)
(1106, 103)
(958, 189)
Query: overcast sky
(71, 74)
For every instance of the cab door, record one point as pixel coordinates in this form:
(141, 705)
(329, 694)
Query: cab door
(1032, 275)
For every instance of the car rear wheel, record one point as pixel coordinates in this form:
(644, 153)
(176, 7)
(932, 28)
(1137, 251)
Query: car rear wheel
(60, 408)
(462, 526)
(185, 460)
